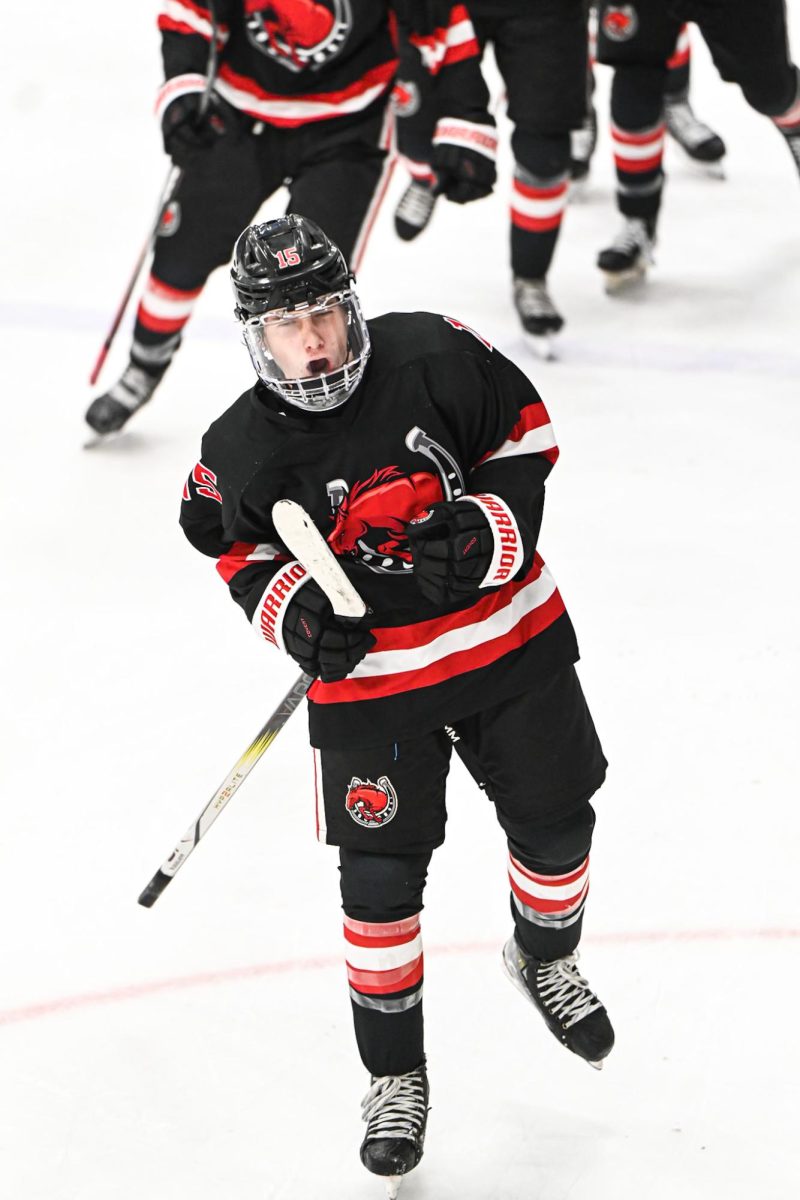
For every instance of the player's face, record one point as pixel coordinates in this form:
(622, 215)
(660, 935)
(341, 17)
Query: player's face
(314, 343)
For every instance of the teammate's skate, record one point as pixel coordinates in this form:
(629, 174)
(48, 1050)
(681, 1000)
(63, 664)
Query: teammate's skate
(630, 254)
(396, 1111)
(582, 146)
(699, 141)
(569, 1006)
(540, 318)
(108, 413)
(414, 210)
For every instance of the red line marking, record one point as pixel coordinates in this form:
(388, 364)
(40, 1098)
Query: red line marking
(135, 991)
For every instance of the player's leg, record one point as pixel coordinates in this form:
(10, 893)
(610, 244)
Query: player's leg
(637, 44)
(415, 109)
(339, 175)
(542, 762)
(384, 808)
(542, 56)
(218, 195)
(699, 141)
(749, 45)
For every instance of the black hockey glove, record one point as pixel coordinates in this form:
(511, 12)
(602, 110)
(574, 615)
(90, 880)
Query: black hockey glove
(319, 642)
(464, 160)
(452, 546)
(188, 130)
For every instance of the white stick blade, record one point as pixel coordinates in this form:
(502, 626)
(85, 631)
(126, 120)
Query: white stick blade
(297, 531)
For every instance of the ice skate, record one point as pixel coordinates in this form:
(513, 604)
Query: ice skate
(109, 413)
(626, 260)
(414, 210)
(396, 1112)
(540, 318)
(703, 146)
(582, 147)
(570, 1008)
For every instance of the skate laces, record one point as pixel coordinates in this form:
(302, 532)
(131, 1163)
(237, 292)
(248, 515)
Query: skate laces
(684, 125)
(134, 387)
(564, 992)
(532, 300)
(394, 1106)
(633, 237)
(416, 204)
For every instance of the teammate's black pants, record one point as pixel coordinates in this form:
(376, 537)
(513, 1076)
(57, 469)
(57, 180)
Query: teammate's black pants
(335, 172)
(540, 761)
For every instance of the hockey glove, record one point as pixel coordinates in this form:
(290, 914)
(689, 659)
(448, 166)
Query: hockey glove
(452, 546)
(188, 128)
(319, 642)
(464, 159)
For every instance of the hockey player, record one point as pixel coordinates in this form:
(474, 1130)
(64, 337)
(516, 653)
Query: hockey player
(421, 455)
(749, 46)
(540, 49)
(300, 96)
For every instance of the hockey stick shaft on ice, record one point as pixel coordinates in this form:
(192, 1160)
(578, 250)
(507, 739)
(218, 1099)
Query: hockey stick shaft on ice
(168, 193)
(306, 542)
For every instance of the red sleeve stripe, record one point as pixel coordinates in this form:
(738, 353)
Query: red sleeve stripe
(534, 607)
(242, 554)
(289, 111)
(450, 44)
(532, 434)
(181, 16)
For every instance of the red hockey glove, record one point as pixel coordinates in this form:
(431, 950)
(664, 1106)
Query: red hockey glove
(464, 156)
(318, 641)
(452, 546)
(188, 130)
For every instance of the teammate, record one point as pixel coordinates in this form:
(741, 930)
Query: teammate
(541, 52)
(421, 454)
(300, 97)
(749, 46)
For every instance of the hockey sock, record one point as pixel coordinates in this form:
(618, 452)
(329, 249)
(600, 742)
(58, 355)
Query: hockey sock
(162, 313)
(637, 132)
(548, 907)
(538, 200)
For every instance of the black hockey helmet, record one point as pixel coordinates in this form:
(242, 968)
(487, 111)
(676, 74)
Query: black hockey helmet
(283, 263)
(300, 316)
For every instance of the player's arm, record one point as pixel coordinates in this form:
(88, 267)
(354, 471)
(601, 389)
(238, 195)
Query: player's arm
(282, 603)
(487, 537)
(465, 138)
(188, 124)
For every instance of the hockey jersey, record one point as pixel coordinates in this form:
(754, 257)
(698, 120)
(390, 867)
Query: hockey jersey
(291, 62)
(439, 414)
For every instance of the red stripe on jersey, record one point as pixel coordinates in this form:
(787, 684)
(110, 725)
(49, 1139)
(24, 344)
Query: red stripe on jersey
(235, 559)
(384, 73)
(458, 663)
(378, 983)
(532, 416)
(456, 54)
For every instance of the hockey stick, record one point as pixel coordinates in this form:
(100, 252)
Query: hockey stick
(306, 542)
(168, 193)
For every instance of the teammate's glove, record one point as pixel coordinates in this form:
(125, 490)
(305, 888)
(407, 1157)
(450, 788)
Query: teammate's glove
(464, 156)
(452, 546)
(318, 641)
(189, 129)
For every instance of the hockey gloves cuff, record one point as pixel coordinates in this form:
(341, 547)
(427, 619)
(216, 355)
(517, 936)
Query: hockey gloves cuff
(318, 641)
(452, 546)
(464, 156)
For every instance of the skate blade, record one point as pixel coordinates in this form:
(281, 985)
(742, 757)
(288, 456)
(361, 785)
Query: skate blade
(542, 345)
(101, 439)
(598, 1066)
(619, 281)
(393, 1186)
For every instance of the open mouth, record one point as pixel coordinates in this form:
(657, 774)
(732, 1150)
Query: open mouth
(318, 366)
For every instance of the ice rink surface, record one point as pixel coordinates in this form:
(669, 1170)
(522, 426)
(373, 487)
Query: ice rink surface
(203, 1049)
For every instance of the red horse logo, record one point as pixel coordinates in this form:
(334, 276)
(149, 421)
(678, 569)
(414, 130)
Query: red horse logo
(371, 804)
(620, 24)
(370, 523)
(298, 33)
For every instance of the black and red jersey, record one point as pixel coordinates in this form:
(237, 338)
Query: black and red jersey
(438, 414)
(291, 62)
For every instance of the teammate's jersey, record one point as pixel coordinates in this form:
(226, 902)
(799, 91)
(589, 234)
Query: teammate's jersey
(291, 62)
(438, 414)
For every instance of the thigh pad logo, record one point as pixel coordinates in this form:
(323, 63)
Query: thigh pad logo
(371, 804)
(620, 22)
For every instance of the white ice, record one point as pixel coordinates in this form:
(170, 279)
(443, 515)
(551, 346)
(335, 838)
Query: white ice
(203, 1049)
